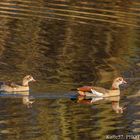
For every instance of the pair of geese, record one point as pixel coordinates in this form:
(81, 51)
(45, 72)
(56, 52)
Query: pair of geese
(82, 91)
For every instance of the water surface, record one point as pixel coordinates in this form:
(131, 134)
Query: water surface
(65, 44)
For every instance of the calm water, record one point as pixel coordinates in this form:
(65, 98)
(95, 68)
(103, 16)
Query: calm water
(65, 44)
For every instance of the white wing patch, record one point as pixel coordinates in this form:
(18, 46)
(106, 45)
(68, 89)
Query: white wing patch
(99, 94)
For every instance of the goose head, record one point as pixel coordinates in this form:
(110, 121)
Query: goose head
(117, 82)
(27, 79)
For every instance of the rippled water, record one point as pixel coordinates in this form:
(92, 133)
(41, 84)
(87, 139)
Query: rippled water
(65, 44)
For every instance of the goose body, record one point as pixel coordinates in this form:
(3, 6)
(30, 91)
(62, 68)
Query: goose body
(13, 87)
(102, 92)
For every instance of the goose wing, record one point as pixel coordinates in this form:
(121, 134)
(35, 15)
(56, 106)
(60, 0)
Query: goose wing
(89, 88)
(11, 84)
(85, 88)
(101, 90)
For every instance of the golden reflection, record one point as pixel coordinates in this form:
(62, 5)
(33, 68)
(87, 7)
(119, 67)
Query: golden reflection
(66, 44)
(66, 54)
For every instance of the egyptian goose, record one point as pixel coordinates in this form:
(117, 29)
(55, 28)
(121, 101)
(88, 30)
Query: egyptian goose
(102, 92)
(13, 87)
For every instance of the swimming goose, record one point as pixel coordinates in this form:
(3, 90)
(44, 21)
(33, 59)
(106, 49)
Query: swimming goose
(13, 87)
(102, 92)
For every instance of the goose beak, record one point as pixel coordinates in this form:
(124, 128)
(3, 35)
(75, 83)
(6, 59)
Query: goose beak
(124, 82)
(34, 80)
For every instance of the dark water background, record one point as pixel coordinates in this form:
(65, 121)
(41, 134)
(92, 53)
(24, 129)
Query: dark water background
(65, 44)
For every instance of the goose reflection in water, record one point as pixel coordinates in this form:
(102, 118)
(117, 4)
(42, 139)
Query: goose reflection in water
(26, 98)
(115, 102)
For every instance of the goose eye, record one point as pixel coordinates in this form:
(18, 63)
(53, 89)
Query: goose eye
(29, 77)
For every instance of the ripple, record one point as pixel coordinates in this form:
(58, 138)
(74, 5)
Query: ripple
(44, 38)
(81, 14)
